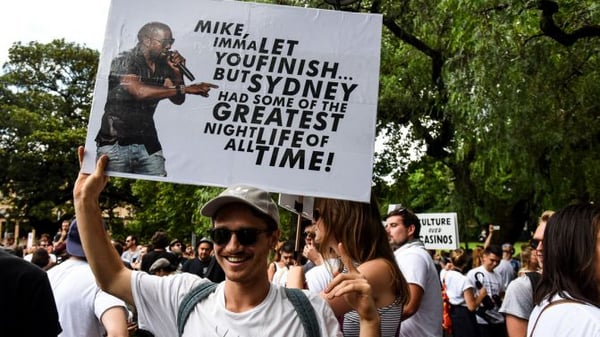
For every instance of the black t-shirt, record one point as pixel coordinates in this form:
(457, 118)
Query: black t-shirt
(26, 297)
(126, 119)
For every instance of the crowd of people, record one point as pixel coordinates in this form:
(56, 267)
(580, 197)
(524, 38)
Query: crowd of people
(352, 277)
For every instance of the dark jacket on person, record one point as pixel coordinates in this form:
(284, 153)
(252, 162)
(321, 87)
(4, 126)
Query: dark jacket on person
(209, 269)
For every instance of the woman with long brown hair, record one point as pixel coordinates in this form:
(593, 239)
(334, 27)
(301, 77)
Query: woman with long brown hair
(357, 227)
(568, 296)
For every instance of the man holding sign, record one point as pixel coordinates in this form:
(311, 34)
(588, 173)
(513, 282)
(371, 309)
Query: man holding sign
(139, 79)
(245, 228)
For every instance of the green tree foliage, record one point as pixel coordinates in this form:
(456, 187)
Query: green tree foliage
(502, 99)
(490, 110)
(174, 208)
(498, 98)
(45, 98)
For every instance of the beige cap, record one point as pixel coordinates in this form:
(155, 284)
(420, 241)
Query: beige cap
(254, 197)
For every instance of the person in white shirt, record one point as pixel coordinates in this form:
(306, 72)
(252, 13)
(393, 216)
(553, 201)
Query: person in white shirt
(83, 309)
(568, 295)
(505, 268)
(489, 319)
(461, 295)
(245, 228)
(422, 316)
(278, 270)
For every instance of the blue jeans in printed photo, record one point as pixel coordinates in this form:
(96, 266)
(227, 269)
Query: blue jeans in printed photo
(133, 159)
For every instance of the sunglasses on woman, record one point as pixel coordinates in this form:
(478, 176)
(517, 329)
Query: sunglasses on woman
(309, 235)
(534, 243)
(245, 236)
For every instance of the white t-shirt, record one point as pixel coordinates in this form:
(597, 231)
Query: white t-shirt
(157, 300)
(29, 256)
(281, 275)
(494, 285)
(319, 277)
(565, 319)
(418, 268)
(79, 301)
(456, 285)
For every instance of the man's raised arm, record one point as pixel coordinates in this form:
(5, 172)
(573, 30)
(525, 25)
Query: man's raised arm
(111, 275)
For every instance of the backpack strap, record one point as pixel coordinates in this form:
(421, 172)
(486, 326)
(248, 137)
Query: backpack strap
(190, 300)
(305, 311)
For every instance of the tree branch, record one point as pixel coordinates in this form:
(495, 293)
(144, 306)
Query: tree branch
(408, 38)
(375, 6)
(436, 144)
(437, 60)
(550, 29)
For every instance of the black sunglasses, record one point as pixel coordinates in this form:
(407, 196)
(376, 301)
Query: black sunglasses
(245, 236)
(534, 243)
(164, 42)
(309, 235)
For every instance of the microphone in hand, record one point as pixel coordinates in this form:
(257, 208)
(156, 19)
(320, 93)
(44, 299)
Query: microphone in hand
(184, 70)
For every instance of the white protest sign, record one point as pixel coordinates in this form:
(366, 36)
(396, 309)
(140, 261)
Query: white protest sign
(30, 239)
(294, 111)
(439, 230)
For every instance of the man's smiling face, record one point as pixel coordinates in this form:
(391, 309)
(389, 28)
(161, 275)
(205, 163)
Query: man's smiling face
(243, 263)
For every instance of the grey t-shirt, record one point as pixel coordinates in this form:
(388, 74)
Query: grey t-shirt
(518, 300)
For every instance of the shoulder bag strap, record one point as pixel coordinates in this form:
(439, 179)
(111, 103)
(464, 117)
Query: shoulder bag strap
(191, 299)
(305, 311)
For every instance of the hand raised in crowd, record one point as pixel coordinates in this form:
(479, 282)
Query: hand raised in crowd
(357, 292)
(90, 185)
(310, 252)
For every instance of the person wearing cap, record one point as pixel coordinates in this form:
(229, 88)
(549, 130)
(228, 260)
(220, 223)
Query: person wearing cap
(245, 228)
(176, 248)
(162, 267)
(83, 309)
(204, 264)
